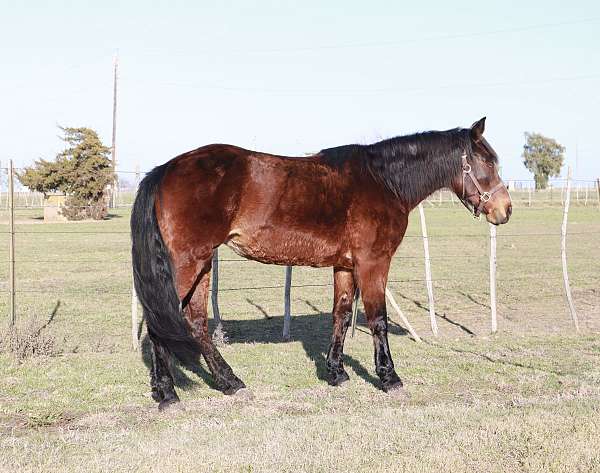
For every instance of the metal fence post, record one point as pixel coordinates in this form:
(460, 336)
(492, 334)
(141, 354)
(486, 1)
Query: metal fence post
(214, 294)
(287, 304)
(135, 321)
(11, 243)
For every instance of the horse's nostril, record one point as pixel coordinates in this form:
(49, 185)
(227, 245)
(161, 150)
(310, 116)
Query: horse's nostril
(509, 210)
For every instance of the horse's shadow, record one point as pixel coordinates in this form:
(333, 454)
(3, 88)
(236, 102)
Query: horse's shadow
(313, 331)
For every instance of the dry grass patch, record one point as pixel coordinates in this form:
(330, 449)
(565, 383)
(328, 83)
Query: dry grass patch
(29, 338)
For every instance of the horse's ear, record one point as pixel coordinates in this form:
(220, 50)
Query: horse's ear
(477, 129)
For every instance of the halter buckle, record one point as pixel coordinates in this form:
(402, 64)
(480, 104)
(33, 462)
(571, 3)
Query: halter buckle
(466, 168)
(485, 197)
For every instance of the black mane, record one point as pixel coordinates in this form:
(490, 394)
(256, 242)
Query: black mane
(411, 167)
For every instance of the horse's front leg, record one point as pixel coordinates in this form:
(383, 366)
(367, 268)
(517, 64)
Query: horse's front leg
(372, 278)
(343, 294)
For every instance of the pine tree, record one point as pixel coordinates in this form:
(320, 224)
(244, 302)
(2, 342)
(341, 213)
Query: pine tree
(82, 171)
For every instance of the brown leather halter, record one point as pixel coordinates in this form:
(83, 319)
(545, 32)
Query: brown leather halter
(484, 196)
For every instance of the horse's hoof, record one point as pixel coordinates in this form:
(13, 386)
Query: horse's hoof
(169, 403)
(157, 395)
(392, 384)
(390, 381)
(233, 386)
(337, 379)
(244, 394)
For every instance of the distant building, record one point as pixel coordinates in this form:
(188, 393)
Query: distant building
(53, 205)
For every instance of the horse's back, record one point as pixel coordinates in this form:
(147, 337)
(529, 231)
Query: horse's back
(272, 208)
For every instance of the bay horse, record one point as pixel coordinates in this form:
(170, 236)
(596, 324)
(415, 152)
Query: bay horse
(344, 207)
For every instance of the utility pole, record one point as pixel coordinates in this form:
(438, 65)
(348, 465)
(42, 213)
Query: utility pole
(113, 148)
(11, 243)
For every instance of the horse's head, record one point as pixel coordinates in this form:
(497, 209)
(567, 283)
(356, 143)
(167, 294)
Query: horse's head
(478, 185)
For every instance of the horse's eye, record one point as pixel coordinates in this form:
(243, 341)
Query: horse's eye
(487, 163)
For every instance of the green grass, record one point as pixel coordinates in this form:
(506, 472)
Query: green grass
(525, 399)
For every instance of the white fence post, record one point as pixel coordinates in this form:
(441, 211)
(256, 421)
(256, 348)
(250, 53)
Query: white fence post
(411, 330)
(433, 322)
(563, 253)
(493, 277)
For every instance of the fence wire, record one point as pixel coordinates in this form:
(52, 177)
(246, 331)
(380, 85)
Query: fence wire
(586, 193)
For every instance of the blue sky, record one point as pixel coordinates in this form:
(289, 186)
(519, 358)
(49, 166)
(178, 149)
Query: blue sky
(296, 77)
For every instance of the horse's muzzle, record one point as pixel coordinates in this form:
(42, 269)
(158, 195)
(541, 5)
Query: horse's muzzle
(498, 215)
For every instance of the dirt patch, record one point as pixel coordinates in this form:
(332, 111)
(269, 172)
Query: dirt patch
(99, 421)
(11, 423)
(20, 424)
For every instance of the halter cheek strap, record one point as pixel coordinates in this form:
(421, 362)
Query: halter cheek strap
(484, 196)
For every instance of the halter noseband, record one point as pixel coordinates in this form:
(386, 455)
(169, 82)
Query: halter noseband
(484, 196)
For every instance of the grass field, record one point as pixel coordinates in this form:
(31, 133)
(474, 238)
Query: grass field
(525, 399)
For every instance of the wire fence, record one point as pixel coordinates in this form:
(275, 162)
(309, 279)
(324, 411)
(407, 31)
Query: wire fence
(585, 192)
(581, 193)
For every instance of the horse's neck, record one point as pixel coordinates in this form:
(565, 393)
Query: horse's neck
(430, 175)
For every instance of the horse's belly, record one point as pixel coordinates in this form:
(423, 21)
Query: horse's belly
(285, 248)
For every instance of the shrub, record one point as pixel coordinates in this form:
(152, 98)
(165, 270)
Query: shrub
(28, 339)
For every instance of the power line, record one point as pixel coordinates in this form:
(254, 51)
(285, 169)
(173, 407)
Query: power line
(375, 91)
(439, 37)
(383, 44)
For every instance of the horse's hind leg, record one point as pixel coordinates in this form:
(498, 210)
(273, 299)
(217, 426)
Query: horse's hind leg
(342, 315)
(161, 379)
(196, 314)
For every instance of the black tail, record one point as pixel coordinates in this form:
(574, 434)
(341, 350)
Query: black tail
(153, 276)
